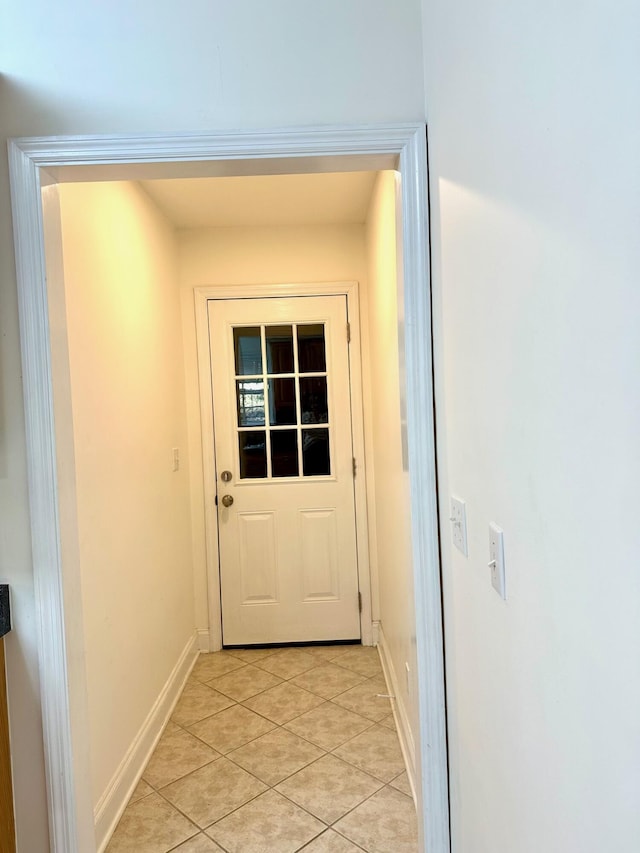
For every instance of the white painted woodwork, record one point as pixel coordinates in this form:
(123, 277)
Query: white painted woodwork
(254, 533)
(319, 550)
(350, 291)
(36, 161)
(288, 558)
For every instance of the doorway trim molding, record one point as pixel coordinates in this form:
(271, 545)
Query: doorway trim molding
(202, 296)
(36, 163)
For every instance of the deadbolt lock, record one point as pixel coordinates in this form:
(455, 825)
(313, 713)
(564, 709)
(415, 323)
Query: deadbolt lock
(226, 476)
(227, 500)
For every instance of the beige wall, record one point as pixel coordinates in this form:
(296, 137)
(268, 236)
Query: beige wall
(127, 381)
(384, 431)
(251, 255)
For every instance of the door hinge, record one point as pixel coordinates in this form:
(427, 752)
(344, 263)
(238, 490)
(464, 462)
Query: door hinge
(360, 602)
(355, 467)
(348, 333)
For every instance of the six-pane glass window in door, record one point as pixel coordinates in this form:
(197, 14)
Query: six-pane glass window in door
(282, 400)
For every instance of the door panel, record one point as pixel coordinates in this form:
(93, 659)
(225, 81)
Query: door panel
(319, 564)
(258, 559)
(282, 414)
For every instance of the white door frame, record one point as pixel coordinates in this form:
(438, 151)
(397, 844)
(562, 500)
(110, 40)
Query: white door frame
(202, 296)
(37, 163)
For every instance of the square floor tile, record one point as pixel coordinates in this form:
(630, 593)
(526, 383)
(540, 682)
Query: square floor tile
(149, 826)
(329, 653)
(364, 699)
(197, 702)
(199, 844)
(331, 842)
(249, 655)
(275, 756)
(327, 680)
(389, 722)
(244, 683)
(213, 791)
(376, 751)
(287, 663)
(141, 790)
(385, 822)
(283, 703)
(231, 728)
(364, 660)
(329, 788)
(176, 754)
(214, 664)
(401, 783)
(329, 725)
(268, 823)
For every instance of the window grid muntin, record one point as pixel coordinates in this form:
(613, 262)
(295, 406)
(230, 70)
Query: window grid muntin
(265, 376)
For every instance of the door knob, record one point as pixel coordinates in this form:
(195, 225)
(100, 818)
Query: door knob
(227, 500)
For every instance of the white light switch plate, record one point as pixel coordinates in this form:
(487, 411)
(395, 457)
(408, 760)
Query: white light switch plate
(458, 518)
(496, 559)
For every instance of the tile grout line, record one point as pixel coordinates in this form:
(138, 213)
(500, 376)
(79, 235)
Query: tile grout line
(203, 830)
(319, 662)
(372, 723)
(331, 825)
(276, 726)
(269, 788)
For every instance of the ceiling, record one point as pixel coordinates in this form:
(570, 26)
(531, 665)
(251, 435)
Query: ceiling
(336, 198)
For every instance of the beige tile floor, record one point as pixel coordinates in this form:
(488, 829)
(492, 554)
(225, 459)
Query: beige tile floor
(275, 751)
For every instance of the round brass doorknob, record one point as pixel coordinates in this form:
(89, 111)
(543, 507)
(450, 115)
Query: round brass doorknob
(227, 500)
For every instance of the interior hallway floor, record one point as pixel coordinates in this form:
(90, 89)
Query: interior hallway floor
(275, 751)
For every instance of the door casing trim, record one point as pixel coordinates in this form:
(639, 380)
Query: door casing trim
(202, 296)
(36, 163)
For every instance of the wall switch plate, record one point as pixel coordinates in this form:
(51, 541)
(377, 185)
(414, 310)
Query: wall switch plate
(458, 519)
(496, 559)
(176, 459)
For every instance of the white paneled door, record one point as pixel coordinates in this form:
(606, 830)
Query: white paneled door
(284, 468)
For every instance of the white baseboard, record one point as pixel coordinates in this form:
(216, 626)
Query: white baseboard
(203, 640)
(113, 802)
(375, 633)
(405, 735)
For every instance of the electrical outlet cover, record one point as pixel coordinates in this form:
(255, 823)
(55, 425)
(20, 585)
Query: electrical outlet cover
(458, 520)
(496, 559)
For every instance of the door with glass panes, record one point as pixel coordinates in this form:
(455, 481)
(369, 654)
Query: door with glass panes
(284, 468)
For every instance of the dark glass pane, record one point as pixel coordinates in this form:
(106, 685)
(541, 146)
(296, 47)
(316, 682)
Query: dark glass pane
(284, 453)
(315, 452)
(250, 402)
(313, 400)
(282, 402)
(248, 350)
(279, 349)
(311, 357)
(253, 454)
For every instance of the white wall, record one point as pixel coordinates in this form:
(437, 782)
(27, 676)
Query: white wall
(391, 477)
(534, 139)
(251, 255)
(152, 66)
(128, 403)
